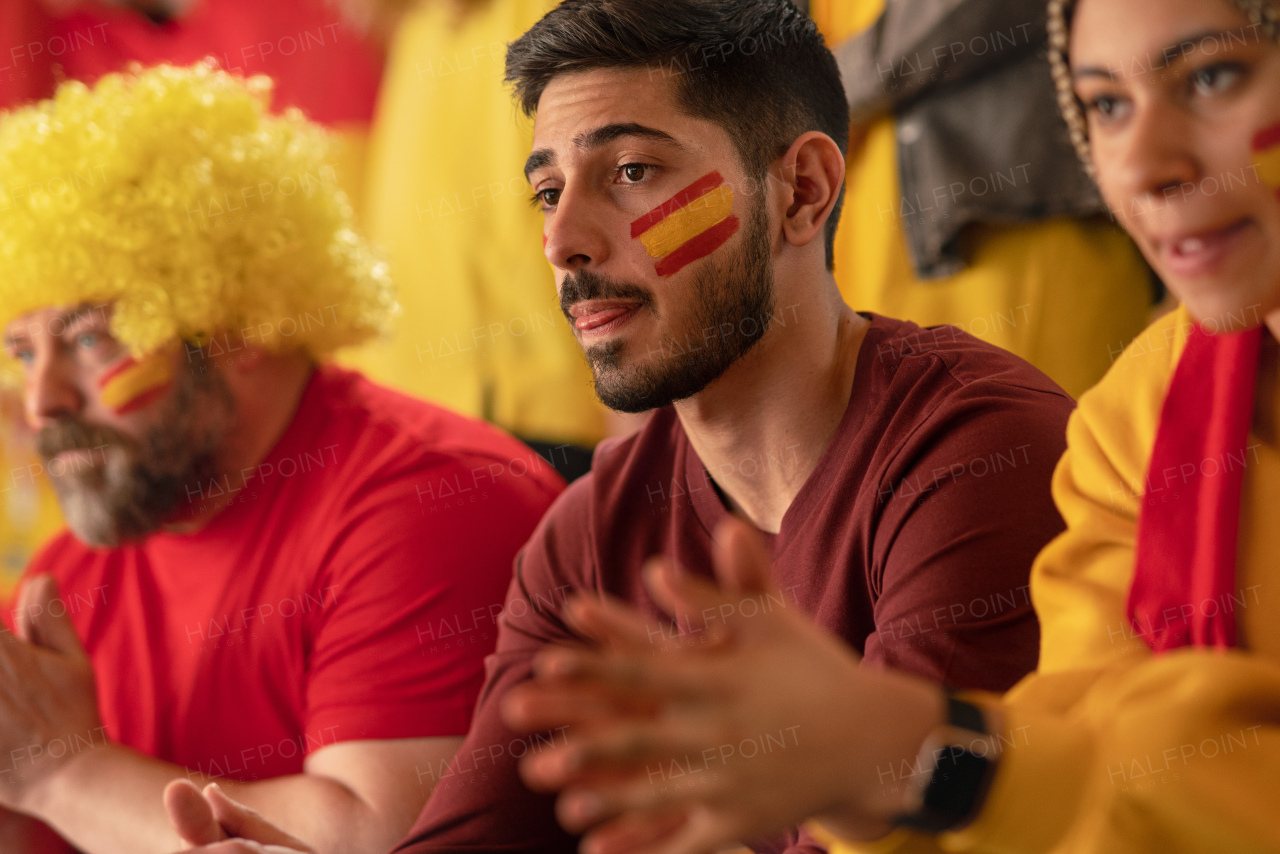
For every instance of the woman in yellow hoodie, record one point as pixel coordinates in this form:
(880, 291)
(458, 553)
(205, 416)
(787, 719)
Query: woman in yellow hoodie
(1153, 721)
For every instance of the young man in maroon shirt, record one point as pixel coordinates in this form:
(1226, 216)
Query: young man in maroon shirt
(689, 159)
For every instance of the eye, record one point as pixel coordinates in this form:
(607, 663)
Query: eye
(88, 340)
(1105, 108)
(546, 199)
(634, 172)
(24, 355)
(1213, 79)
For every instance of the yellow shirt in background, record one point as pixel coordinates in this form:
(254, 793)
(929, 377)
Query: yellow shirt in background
(1118, 751)
(481, 331)
(1064, 294)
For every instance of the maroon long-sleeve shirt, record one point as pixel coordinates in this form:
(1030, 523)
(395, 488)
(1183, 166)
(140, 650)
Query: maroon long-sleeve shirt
(912, 539)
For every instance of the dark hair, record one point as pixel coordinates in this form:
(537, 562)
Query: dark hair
(757, 68)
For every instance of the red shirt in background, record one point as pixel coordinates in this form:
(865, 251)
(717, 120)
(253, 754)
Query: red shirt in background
(912, 539)
(327, 602)
(25, 75)
(318, 62)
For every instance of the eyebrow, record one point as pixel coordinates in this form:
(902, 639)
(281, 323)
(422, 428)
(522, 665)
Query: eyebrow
(78, 313)
(1167, 57)
(602, 135)
(67, 318)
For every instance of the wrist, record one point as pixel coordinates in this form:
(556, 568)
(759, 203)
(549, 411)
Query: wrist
(50, 777)
(954, 770)
(891, 722)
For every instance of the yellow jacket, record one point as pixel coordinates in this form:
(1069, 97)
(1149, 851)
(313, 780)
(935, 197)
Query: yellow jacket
(1122, 751)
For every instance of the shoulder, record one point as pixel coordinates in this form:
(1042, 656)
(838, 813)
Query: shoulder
(942, 385)
(625, 475)
(1118, 417)
(59, 555)
(390, 436)
(1081, 580)
(624, 469)
(947, 356)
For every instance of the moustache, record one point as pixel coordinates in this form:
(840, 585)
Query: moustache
(585, 285)
(72, 434)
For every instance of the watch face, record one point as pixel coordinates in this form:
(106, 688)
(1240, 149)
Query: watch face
(955, 790)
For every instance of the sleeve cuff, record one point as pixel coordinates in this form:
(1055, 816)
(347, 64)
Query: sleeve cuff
(358, 723)
(1037, 790)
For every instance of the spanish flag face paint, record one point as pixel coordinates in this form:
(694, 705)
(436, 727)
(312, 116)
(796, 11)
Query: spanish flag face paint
(689, 226)
(1266, 157)
(131, 384)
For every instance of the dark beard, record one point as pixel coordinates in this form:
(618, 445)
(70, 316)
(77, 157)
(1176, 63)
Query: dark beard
(732, 307)
(134, 485)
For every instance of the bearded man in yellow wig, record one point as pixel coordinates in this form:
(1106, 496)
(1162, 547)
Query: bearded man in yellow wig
(265, 551)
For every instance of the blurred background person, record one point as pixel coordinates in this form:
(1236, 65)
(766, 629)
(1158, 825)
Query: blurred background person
(481, 330)
(966, 203)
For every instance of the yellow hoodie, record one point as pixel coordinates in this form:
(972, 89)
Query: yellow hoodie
(1119, 750)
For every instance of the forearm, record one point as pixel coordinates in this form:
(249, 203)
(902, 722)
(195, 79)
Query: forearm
(109, 801)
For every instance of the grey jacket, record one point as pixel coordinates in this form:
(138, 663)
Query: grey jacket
(979, 135)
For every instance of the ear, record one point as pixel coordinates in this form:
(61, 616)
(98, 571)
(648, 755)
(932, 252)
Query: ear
(810, 176)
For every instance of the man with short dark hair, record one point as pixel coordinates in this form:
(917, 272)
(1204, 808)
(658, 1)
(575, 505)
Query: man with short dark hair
(688, 159)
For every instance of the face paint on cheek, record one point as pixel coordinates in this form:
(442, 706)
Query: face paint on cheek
(1266, 157)
(689, 226)
(132, 384)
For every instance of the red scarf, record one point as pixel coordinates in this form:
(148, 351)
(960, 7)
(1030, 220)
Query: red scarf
(1186, 549)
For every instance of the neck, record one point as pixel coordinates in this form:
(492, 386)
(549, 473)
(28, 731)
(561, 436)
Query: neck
(761, 428)
(266, 398)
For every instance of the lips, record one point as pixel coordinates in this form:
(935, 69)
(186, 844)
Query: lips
(1202, 252)
(600, 317)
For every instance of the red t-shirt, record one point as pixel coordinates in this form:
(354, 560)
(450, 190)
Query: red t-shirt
(317, 608)
(912, 540)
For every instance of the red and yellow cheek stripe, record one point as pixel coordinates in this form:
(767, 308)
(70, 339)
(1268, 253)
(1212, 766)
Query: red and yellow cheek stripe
(1266, 157)
(690, 225)
(132, 384)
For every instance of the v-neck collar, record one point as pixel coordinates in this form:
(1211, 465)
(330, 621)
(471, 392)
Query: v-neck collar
(711, 509)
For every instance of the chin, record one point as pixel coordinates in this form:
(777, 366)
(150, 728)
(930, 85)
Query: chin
(1233, 310)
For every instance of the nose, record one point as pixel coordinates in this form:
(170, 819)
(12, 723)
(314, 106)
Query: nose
(575, 235)
(49, 392)
(1154, 156)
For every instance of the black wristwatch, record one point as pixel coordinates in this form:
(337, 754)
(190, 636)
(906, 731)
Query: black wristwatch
(962, 758)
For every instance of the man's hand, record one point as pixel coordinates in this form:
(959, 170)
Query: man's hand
(211, 823)
(48, 704)
(698, 742)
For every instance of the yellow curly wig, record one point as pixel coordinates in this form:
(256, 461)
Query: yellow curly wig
(175, 194)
